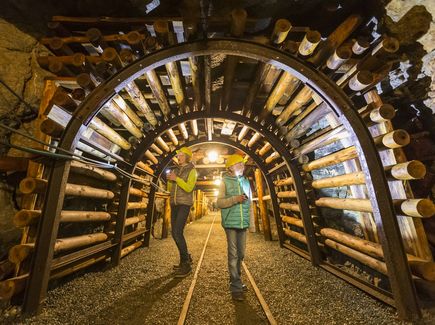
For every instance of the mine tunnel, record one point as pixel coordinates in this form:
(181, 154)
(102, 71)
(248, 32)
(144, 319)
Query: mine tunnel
(329, 103)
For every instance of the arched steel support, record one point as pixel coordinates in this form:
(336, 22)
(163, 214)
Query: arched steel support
(383, 211)
(258, 161)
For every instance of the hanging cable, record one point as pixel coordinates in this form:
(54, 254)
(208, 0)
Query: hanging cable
(72, 156)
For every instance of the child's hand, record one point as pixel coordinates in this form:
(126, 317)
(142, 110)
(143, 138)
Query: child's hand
(240, 198)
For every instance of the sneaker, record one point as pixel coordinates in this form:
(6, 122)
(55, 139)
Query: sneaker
(177, 266)
(183, 271)
(238, 296)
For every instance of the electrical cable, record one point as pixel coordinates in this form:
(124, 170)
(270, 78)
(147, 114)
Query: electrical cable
(72, 156)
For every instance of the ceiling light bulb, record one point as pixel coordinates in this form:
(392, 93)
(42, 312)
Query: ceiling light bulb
(212, 156)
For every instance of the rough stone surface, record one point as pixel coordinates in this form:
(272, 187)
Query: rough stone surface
(415, 19)
(20, 72)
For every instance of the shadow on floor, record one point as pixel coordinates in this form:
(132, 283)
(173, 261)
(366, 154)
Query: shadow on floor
(134, 307)
(245, 314)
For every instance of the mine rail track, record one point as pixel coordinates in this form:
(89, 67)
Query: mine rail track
(186, 304)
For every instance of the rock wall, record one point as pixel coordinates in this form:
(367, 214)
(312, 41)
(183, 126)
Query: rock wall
(21, 86)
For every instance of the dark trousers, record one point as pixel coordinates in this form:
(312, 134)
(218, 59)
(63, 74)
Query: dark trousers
(179, 214)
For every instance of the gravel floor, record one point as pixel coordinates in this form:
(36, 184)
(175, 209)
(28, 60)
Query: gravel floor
(142, 291)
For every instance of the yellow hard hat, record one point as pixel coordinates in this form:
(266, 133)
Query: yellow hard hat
(234, 159)
(186, 151)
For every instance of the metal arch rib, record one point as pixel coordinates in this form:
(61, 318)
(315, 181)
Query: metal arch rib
(398, 269)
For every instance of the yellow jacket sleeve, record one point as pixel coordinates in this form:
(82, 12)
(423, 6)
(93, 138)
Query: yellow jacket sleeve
(191, 181)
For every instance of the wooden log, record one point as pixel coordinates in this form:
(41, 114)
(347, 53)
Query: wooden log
(284, 182)
(156, 149)
(167, 215)
(110, 55)
(387, 45)
(313, 113)
(238, 22)
(86, 81)
(295, 235)
(340, 56)
(326, 138)
(392, 139)
(127, 56)
(237, 28)
(137, 205)
(311, 39)
(332, 159)
(78, 94)
(381, 114)
(122, 118)
(158, 92)
(9, 163)
(363, 258)
(361, 80)
(58, 46)
(293, 221)
(419, 267)
(263, 211)
(362, 205)
(145, 167)
(300, 99)
(127, 250)
(63, 244)
(92, 171)
(134, 220)
(84, 216)
(51, 128)
(62, 99)
(151, 157)
(336, 38)
(137, 192)
(395, 139)
(419, 208)
(24, 218)
(360, 46)
(140, 103)
(409, 170)
(94, 152)
(290, 206)
(162, 144)
(19, 253)
(88, 191)
(10, 287)
(275, 155)
(60, 69)
(195, 69)
(286, 83)
(254, 139)
(286, 194)
(30, 185)
(265, 149)
(172, 136)
(356, 178)
(106, 131)
(183, 130)
(280, 31)
(96, 38)
(242, 133)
